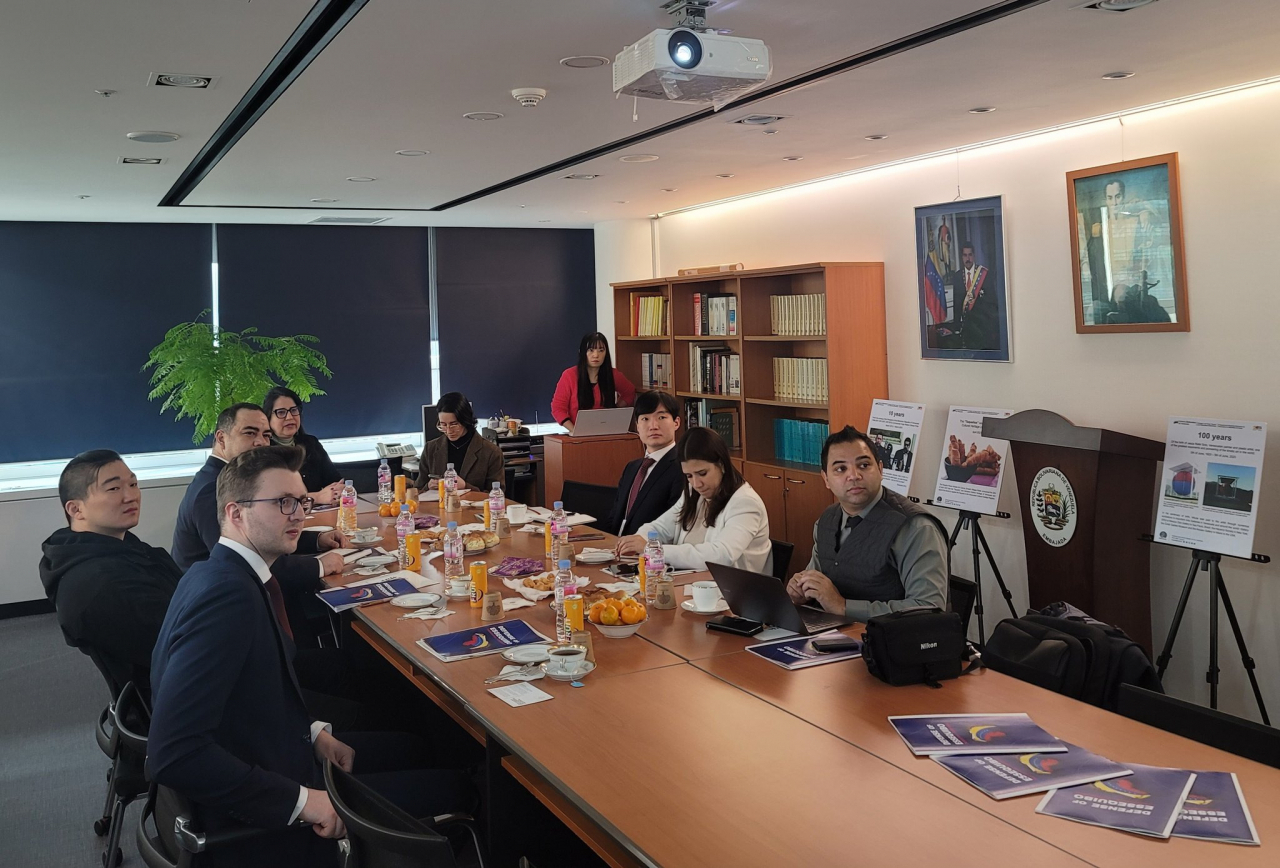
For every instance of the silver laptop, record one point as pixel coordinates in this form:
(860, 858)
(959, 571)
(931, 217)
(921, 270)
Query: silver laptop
(594, 423)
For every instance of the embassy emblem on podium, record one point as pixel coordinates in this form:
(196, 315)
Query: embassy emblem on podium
(1053, 503)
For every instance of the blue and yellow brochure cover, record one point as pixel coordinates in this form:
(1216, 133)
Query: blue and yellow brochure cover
(341, 599)
(1144, 803)
(1215, 810)
(799, 653)
(942, 734)
(479, 641)
(1004, 776)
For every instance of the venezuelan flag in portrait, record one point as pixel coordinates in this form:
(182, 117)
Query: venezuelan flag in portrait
(936, 266)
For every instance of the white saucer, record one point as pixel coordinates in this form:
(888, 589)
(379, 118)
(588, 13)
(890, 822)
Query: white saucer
(526, 654)
(318, 528)
(586, 669)
(415, 601)
(721, 606)
(378, 560)
(371, 571)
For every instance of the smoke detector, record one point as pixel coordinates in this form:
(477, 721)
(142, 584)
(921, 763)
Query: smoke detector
(528, 96)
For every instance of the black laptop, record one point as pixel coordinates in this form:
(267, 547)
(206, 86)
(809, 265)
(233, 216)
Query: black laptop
(762, 598)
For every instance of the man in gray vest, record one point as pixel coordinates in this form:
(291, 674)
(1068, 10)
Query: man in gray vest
(874, 551)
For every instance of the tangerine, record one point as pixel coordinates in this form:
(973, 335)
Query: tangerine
(632, 615)
(594, 612)
(385, 510)
(610, 617)
(413, 506)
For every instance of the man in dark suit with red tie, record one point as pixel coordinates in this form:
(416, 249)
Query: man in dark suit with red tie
(649, 485)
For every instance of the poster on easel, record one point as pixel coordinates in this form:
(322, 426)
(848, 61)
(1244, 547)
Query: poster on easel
(894, 428)
(1209, 487)
(972, 466)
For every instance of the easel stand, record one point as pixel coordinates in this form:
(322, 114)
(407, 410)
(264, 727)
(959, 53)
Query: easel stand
(969, 520)
(1208, 562)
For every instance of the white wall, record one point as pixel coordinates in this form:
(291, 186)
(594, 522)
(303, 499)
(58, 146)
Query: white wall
(624, 251)
(1225, 367)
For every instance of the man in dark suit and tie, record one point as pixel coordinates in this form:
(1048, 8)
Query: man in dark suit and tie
(230, 730)
(650, 484)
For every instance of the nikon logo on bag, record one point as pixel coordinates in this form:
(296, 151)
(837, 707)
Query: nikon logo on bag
(925, 645)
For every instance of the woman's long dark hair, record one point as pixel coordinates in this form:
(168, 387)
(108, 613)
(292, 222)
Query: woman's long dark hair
(457, 404)
(586, 400)
(275, 394)
(703, 444)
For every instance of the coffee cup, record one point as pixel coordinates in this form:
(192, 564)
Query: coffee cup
(517, 514)
(566, 660)
(706, 595)
(366, 536)
(460, 587)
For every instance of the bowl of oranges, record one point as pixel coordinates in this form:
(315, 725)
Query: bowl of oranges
(617, 619)
(392, 510)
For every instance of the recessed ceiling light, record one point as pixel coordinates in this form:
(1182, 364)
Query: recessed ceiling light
(793, 159)
(179, 79)
(412, 153)
(584, 61)
(725, 175)
(876, 137)
(152, 137)
(638, 158)
(325, 201)
(669, 189)
(141, 161)
(361, 179)
(483, 116)
(759, 120)
(581, 177)
(1117, 76)
(982, 110)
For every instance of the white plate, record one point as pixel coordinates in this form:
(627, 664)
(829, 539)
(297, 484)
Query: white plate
(415, 601)
(378, 560)
(371, 571)
(526, 654)
(471, 527)
(586, 669)
(721, 606)
(595, 557)
(318, 528)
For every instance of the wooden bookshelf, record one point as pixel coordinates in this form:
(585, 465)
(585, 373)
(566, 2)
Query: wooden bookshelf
(857, 368)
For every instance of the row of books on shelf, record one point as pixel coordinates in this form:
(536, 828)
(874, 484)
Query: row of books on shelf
(725, 421)
(798, 314)
(648, 315)
(715, 371)
(715, 314)
(802, 380)
(795, 440)
(655, 371)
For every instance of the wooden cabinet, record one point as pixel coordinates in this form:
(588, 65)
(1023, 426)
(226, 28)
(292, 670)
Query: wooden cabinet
(793, 499)
(767, 481)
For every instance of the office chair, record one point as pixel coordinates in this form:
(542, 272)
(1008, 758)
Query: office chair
(105, 734)
(178, 838)
(381, 835)
(130, 719)
(1206, 725)
(593, 500)
(961, 594)
(782, 552)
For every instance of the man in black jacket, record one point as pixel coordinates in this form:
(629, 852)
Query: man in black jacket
(111, 590)
(649, 485)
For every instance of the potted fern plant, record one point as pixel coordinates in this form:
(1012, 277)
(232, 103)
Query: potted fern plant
(198, 370)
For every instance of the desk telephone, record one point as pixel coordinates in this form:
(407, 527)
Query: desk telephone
(396, 450)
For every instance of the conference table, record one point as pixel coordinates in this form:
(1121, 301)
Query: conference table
(682, 749)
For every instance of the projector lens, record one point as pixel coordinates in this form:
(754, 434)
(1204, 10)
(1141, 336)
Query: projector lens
(685, 49)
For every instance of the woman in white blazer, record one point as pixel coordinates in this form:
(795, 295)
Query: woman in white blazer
(719, 520)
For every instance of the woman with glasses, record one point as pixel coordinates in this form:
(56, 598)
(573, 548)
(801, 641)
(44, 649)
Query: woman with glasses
(477, 461)
(593, 384)
(284, 414)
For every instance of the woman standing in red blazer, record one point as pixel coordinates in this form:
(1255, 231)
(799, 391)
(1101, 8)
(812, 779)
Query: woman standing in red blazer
(592, 384)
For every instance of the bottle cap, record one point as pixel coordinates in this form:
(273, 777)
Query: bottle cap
(564, 564)
(348, 482)
(404, 507)
(559, 504)
(496, 486)
(448, 467)
(653, 535)
(453, 525)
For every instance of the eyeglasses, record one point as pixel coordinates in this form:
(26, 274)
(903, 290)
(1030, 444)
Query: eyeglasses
(281, 412)
(448, 426)
(288, 504)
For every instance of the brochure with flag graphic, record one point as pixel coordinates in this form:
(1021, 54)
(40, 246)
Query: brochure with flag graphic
(1215, 810)
(479, 641)
(1007, 775)
(799, 652)
(942, 734)
(341, 599)
(1146, 802)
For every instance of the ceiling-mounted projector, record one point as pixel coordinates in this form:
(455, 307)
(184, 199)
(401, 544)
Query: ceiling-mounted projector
(686, 65)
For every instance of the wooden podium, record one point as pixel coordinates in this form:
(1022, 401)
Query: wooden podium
(1083, 539)
(597, 460)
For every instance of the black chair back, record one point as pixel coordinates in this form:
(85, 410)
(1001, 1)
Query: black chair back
(364, 474)
(782, 552)
(381, 835)
(1206, 725)
(593, 500)
(960, 597)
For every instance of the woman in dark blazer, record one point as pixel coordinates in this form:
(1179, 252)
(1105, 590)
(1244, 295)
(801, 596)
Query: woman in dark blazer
(477, 461)
(284, 414)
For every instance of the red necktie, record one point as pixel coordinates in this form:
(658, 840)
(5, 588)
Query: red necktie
(639, 481)
(277, 605)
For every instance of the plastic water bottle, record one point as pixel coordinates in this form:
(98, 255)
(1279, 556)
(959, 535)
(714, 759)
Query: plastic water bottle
(566, 584)
(453, 568)
(404, 527)
(559, 529)
(347, 509)
(384, 482)
(450, 480)
(655, 564)
(497, 502)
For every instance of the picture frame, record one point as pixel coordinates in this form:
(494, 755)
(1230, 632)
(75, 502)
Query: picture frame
(1127, 253)
(962, 277)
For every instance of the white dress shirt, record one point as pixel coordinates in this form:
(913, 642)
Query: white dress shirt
(259, 566)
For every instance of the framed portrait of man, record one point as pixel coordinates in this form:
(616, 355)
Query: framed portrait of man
(1126, 246)
(963, 288)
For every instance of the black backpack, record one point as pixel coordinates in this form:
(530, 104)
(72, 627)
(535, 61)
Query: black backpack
(1064, 650)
